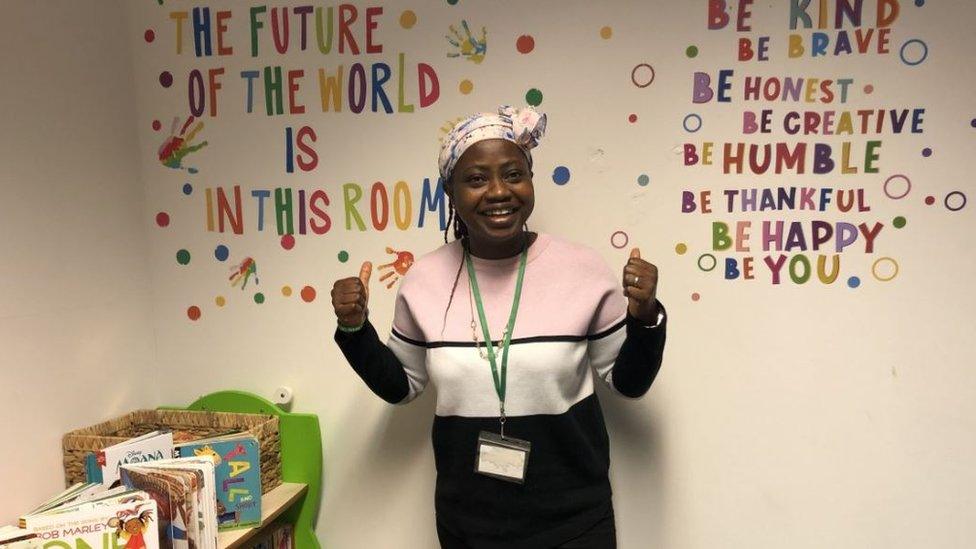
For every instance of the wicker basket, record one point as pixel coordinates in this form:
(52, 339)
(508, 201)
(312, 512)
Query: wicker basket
(186, 426)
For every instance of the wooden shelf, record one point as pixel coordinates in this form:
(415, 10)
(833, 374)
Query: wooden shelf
(273, 504)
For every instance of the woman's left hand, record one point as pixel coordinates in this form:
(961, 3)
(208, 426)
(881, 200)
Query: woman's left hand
(640, 287)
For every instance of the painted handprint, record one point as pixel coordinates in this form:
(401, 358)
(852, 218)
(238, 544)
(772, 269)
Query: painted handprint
(243, 272)
(398, 267)
(178, 145)
(469, 48)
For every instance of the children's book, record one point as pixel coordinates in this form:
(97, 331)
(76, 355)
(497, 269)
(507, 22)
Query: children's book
(148, 447)
(238, 471)
(124, 520)
(185, 491)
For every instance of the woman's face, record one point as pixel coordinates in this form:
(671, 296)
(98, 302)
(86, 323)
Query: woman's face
(491, 189)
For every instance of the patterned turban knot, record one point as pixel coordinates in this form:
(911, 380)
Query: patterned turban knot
(524, 127)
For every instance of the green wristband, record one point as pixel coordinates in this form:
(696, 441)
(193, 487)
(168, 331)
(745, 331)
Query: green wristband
(350, 328)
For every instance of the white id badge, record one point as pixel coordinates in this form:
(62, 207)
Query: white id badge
(505, 458)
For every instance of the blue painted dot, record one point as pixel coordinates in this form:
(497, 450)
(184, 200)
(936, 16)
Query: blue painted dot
(926, 152)
(643, 180)
(853, 282)
(919, 3)
(187, 189)
(221, 253)
(560, 176)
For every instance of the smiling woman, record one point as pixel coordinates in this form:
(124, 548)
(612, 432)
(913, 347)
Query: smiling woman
(520, 445)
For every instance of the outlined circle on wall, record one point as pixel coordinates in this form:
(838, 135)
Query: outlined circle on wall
(925, 52)
(633, 75)
(709, 256)
(874, 269)
(616, 237)
(908, 186)
(960, 206)
(692, 116)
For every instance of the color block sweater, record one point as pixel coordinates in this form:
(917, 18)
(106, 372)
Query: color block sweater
(572, 320)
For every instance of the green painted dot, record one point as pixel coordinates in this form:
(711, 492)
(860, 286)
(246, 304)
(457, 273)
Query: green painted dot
(692, 51)
(899, 222)
(533, 97)
(452, 2)
(343, 256)
(259, 298)
(183, 257)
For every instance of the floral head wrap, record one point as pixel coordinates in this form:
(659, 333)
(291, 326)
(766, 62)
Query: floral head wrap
(524, 127)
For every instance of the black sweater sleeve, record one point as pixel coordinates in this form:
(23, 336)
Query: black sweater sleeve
(640, 356)
(374, 362)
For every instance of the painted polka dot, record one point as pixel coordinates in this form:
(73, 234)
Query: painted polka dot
(162, 219)
(899, 222)
(308, 294)
(869, 89)
(183, 257)
(343, 256)
(288, 241)
(259, 298)
(691, 51)
(187, 189)
(408, 19)
(286, 291)
(560, 176)
(533, 97)
(220, 301)
(525, 44)
(930, 200)
(149, 36)
(695, 296)
(927, 152)
(681, 248)
(193, 312)
(466, 86)
(632, 118)
(452, 2)
(643, 180)
(919, 3)
(973, 122)
(165, 79)
(606, 33)
(221, 252)
(853, 282)
(156, 125)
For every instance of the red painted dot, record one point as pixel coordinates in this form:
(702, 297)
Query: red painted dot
(288, 241)
(868, 89)
(308, 294)
(525, 43)
(156, 125)
(149, 35)
(162, 219)
(930, 200)
(632, 118)
(695, 296)
(193, 312)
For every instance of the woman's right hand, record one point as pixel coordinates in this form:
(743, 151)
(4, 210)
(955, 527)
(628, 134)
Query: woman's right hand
(350, 297)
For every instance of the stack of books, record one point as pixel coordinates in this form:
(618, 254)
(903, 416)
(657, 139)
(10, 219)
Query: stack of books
(149, 493)
(79, 517)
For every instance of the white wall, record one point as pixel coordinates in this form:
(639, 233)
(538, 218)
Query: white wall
(75, 315)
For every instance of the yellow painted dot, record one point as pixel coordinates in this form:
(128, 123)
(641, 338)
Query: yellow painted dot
(286, 291)
(681, 248)
(466, 86)
(220, 301)
(606, 33)
(408, 19)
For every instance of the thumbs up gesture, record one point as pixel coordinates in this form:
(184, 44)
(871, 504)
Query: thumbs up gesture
(350, 297)
(640, 287)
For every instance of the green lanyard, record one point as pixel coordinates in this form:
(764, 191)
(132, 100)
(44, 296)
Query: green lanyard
(498, 379)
